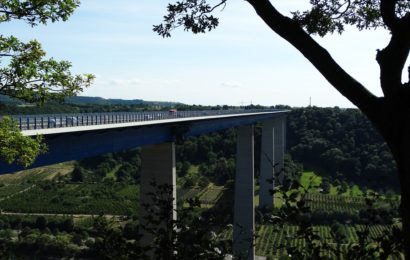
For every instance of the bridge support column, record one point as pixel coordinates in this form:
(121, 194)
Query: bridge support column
(272, 159)
(244, 216)
(267, 168)
(279, 127)
(157, 165)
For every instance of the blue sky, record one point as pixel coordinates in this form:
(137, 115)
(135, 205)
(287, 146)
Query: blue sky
(242, 61)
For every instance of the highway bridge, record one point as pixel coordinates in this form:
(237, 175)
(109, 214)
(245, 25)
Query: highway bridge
(77, 136)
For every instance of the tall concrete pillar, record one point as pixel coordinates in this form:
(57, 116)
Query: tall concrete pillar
(158, 165)
(244, 216)
(279, 126)
(266, 182)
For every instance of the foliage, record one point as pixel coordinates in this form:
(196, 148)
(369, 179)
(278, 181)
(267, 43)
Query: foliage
(340, 144)
(36, 12)
(192, 15)
(188, 237)
(25, 74)
(78, 174)
(14, 147)
(308, 243)
(329, 16)
(30, 78)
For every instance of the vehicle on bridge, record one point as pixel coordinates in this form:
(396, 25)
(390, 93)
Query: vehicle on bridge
(62, 121)
(173, 112)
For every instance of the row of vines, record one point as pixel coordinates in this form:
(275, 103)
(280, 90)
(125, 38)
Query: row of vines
(75, 199)
(272, 240)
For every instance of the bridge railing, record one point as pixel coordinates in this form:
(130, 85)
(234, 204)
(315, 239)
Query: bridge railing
(29, 122)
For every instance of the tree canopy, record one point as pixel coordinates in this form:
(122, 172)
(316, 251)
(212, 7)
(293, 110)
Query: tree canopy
(26, 73)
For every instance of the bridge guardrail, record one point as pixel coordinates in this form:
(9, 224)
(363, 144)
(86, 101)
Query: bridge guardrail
(29, 122)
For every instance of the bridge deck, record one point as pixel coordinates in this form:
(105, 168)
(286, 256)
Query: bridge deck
(94, 134)
(153, 121)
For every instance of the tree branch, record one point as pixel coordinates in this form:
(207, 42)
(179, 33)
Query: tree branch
(6, 55)
(347, 3)
(316, 54)
(223, 2)
(387, 11)
(393, 58)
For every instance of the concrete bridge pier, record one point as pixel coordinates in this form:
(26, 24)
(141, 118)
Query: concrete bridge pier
(272, 159)
(267, 169)
(244, 215)
(158, 165)
(279, 126)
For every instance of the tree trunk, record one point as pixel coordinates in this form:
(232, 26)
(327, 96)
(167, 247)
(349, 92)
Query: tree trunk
(402, 157)
(404, 176)
(393, 122)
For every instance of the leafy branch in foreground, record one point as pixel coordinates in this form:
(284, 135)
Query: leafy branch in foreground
(295, 210)
(34, 12)
(32, 78)
(27, 75)
(188, 237)
(192, 15)
(15, 147)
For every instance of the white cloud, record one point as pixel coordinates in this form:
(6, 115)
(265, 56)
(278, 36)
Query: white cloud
(231, 84)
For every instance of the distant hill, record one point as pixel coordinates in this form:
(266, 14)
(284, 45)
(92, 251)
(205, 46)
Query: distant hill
(8, 100)
(84, 100)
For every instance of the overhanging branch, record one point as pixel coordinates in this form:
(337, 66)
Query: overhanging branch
(387, 11)
(316, 54)
(393, 58)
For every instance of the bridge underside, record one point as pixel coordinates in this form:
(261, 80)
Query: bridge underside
(78, 145)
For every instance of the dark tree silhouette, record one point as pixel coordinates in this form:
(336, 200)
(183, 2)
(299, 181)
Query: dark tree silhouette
(389, 113)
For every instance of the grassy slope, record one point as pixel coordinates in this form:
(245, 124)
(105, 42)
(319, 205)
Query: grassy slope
(38, 174)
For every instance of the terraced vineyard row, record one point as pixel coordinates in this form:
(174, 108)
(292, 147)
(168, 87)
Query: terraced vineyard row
(271, 240)
(11, 189)
(38, 174)
(75, 198)
(207, 196)
(334, 202)
(211, 195)
(184, 194)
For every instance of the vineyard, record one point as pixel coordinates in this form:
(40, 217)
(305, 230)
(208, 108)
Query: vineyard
(208, 196)
(184, 194)
(87, 198)
(12, 189)
(337, 203)
(96, 198)
(272, 240)
(38, 174)
(34, 193)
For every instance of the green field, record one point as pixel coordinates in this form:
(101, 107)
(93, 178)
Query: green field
(96, 198)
